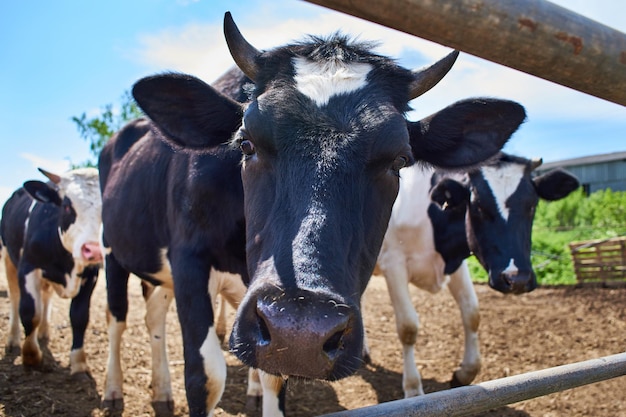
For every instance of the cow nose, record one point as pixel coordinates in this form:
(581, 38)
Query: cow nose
(307, 335)
(91, 252)
(519, 282)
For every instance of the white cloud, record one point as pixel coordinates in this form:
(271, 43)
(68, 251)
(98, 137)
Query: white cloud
(54, 166)
(200, 49)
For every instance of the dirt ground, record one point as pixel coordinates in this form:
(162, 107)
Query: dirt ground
(549, 327)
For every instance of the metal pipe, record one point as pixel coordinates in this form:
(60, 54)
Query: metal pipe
(473, 399)
(533, 36)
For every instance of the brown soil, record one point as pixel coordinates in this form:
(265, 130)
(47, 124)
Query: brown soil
(549, 327)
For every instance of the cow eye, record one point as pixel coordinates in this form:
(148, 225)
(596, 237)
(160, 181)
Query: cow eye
(400, 162)
(247, 147)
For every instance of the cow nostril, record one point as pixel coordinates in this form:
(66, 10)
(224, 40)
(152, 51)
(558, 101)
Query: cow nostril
(265, 337)
(333, 345)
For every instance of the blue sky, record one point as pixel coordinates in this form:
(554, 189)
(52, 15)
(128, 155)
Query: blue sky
(61, 58)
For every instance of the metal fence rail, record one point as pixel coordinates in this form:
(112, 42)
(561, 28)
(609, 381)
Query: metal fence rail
(534, 36)
(472, 399)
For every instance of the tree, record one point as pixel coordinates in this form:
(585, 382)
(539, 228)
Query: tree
(98, 130)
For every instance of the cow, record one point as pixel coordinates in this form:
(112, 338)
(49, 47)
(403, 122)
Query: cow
(50, 233)
(487, 212)
(291, 190)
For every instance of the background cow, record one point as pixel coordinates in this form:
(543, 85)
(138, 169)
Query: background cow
(488, 212)
(50, 233)
(323, 139)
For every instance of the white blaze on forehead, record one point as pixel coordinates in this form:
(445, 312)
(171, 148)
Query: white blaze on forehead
(321, 80)
(503, 181)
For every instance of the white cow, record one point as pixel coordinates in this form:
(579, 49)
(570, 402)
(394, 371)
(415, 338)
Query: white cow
(488, 212)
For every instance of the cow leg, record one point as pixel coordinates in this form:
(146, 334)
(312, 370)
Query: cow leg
(13, 342)
(274, 388)
(79, 317)
(43, 330)
(202, 349)
(157, 303)
(216, 282)
(407, 323)
(231, 289)
(463, 292)
(220, 323)
(30, 314)
(367, 358)
(254, 393)
(117, 309)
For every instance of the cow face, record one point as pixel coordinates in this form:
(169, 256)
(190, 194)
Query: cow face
(500, 211)
(323, 140)
(76, 194)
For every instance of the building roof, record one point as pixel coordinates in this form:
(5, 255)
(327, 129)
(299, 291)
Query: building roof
(585, 160)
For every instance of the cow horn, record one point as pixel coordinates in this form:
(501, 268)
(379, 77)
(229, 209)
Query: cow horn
(426, 78)
(52, 177)
(535, 163)
(243, 53)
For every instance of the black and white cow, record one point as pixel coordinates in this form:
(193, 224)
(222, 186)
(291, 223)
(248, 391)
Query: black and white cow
(488, 212)
(50, 233)
(301, 217)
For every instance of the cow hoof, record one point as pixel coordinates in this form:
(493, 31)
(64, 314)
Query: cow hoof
(12, 350)
(82, 377)
(254, 405)
(43, 366)
(455, 382)
(163, 408)
(113, 408)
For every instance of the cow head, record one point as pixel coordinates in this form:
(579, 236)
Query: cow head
(76, 194)
(323, 138)
(501, 198)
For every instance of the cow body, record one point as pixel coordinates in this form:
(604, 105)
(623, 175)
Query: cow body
(50, 234)
(314, 159)
(169, 214)
(487, 212)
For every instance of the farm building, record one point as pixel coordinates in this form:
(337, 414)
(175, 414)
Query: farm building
(595, 172)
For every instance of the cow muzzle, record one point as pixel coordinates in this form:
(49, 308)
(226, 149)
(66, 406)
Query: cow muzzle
(91, 252)
(302, 334)
(514, 283)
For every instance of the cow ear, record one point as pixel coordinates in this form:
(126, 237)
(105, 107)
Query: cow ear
(187, 110)
(555, 184)
(41, 191)
(466, 133)
(450, 194)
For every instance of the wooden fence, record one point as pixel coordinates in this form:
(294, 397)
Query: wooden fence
(600, 261)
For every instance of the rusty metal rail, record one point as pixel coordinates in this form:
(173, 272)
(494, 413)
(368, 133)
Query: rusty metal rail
(533, 36)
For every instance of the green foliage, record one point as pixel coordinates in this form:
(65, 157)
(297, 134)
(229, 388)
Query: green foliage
(601, 215)
(98, 130)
